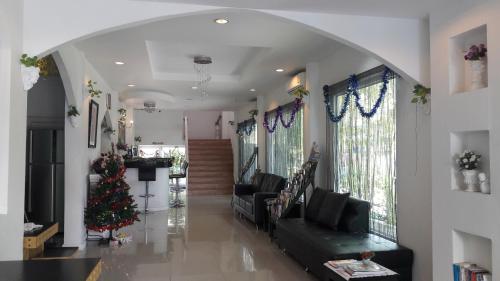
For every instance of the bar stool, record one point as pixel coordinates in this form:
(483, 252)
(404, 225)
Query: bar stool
(147, 173)
(177, 203)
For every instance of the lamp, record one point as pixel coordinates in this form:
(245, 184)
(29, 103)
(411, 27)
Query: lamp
(202, 69)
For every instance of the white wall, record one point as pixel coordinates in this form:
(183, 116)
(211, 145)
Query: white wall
(13, 122)
(201, 124)
(464, 220)
(165, 126)
(77, 72)
(413, 140)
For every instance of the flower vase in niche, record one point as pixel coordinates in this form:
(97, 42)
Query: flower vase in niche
(477, 60)
(468, 163)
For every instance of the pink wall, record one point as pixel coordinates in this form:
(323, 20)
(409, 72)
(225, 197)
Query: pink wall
(201, 124)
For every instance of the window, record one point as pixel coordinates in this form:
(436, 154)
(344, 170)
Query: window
(363, 151)
(285, 146)
(247, 145)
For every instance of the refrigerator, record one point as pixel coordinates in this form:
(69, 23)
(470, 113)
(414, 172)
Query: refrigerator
(44, 196)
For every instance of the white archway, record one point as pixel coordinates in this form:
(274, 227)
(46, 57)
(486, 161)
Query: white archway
(402, 44)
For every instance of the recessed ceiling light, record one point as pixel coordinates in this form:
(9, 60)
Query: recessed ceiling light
(131, 85)
(280, 70)
(221, 21)
(194, 88)
(252, 90)
(119, 63)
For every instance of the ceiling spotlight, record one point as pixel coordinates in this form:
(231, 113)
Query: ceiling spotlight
(119, 63)
(131, 85)
(280, 70)
(252, 90)
(221, 21)
(194, 88)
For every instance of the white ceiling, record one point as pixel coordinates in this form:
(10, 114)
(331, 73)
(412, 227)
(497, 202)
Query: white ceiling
(245, 53)
(385, 8)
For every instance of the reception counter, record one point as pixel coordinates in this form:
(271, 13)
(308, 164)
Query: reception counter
(159, 188)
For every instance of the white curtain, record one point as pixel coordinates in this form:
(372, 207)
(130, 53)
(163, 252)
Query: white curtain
(285, 146)
(364, 153)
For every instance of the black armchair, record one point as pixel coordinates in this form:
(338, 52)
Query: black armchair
(248, 199)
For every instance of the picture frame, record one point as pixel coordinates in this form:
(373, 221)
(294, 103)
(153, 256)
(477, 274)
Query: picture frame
(93, 120)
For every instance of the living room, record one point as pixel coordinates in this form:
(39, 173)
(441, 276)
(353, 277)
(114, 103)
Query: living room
(222, 105)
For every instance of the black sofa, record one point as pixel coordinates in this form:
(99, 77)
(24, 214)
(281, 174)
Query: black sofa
(312, 243)
(248, 199)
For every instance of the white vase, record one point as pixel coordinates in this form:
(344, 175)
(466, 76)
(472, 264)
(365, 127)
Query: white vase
(30, 75)
(73, 120)
(470, 180)
(478, 74)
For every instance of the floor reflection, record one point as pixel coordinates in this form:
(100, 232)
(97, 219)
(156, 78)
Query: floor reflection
(203, 241)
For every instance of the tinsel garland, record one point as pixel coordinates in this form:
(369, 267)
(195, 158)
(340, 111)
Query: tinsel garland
(297, 104)
(246, 127)
(352, 89)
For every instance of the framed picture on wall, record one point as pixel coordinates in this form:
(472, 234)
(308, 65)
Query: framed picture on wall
(93, 118)
(108, 101)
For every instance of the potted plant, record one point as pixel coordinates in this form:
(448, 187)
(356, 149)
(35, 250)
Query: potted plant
(92, 91)
(299, 92)
(72, 115)
(30, 71)
(476, 55)
(137, 140)
(468, 162)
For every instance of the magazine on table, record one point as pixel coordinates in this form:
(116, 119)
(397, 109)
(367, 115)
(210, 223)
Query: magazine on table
(349, 269)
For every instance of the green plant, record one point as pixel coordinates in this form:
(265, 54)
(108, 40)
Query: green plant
(73, 111)
(253, 113)
(138, 139)
(420, 94)
(300, 92)
(122, 111)
(92, 91)
(29, 61)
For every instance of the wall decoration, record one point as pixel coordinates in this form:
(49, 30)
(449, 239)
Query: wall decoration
(352, 90)
(299, 92)
(420, 94)
(93, 119)
(468, 162)
(72, 115)
(297, 105)
(30, 71)
(93, 91)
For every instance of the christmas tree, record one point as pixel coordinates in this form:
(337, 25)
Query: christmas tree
(110, 206)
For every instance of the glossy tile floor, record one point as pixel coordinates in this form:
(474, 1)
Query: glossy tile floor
(204, 241)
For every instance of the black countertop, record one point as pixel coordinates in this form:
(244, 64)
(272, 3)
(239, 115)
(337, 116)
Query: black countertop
(48, 270)
(148, 162)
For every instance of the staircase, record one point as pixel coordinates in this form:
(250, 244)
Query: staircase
(210, 167)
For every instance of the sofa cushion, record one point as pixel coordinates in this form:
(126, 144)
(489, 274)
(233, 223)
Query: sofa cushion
(355, 217)
(332, 208)
(314, 205)
(257, 181)
(272, 183)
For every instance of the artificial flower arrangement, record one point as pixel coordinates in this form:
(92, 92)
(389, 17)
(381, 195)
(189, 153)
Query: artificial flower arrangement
(476, 52)
(30, 71)
(299, 92)
(73, 111)
(368, 255)
(92, 91)
(253, 113)
(420, 94)
(468, 160)
(138, 139)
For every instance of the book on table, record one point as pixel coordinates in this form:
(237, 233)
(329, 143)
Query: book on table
(351, 269)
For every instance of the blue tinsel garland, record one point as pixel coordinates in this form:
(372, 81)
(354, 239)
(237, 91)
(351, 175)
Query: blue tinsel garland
(352, 89)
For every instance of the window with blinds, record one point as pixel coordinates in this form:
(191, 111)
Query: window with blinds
(363, 151)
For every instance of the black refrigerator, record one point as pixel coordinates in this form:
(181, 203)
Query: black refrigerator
(44, 200)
